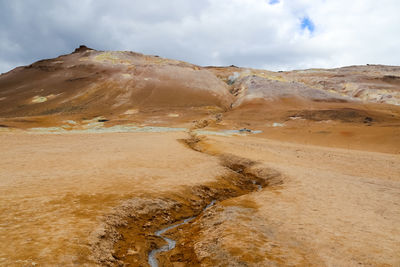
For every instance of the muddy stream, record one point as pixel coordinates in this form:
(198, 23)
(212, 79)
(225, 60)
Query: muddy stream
(152, 260)
(244, 177)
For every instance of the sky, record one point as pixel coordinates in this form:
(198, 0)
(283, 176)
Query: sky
(267, 34)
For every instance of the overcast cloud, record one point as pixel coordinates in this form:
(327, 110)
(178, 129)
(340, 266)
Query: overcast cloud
(271, 34)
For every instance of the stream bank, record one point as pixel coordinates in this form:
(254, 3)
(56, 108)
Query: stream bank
(127, 234)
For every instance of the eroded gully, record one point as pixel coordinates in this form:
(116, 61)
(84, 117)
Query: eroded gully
(152, 259)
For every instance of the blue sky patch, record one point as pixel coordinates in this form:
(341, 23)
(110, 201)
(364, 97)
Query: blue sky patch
(273, 2)
(307, 23)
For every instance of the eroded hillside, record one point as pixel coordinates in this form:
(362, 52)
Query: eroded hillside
(125, 86)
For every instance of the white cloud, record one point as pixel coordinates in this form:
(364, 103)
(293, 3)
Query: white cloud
(250, 33)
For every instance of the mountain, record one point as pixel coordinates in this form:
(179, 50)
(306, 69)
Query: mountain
(131, 87)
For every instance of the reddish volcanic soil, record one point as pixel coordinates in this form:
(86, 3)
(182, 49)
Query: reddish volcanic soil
(102, 149)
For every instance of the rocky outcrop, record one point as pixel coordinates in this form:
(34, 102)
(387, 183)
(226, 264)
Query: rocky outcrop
(82, 48)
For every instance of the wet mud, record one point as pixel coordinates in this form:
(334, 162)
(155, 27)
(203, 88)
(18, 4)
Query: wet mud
(137, 233)
(153, 262)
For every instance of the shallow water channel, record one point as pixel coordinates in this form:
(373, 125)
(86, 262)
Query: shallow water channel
(152, 260)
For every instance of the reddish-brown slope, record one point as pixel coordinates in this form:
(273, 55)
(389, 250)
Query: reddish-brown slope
(89, 82)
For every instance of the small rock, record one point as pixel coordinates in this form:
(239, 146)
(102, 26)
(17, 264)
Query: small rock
(131, 252)
(368, 120)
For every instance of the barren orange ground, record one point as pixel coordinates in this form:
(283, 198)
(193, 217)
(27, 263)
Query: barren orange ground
(335, 206)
